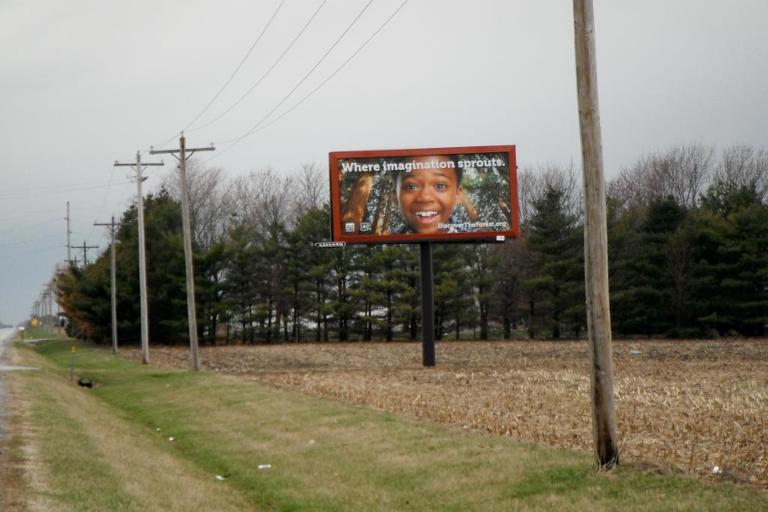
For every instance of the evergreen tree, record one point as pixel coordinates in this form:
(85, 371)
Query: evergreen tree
(557, 282)
(648, 268)
(732, 261)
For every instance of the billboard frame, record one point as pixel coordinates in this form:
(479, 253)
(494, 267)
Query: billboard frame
(335, 176)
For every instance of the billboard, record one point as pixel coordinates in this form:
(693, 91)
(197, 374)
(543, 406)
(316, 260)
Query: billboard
(437, 194)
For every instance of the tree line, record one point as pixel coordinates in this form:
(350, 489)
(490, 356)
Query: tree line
(688, 256)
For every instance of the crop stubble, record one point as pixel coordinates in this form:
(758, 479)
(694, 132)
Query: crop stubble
(691, 405)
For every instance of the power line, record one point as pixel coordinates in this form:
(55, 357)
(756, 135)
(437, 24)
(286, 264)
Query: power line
(25, 242)
(36, 192)
(33, 251)
(304, 78)
(329, 77)
(266, 73)
(237, 69)
(104, 198)
(28, 226)
(258, 126)
(26, 214)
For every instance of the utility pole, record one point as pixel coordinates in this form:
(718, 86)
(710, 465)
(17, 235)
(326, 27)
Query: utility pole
(183, 155)
(138, 169)
(113, 278)
(43, 303)
(49, 290)
(85, 252)
(69, 232)
(595, 240)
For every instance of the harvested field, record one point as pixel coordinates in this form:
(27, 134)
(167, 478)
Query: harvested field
(699, 407)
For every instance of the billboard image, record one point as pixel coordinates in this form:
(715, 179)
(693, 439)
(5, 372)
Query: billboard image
(409, 195)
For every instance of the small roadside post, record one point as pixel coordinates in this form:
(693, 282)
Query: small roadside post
(72, 362)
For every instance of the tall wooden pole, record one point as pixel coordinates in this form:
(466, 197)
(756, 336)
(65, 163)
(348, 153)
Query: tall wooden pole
(595, 240)
(183, 154)
(139, 168)
(113, 279)
(188, 255)
(144, 302)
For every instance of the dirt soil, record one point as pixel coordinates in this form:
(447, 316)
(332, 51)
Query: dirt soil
(700, 407)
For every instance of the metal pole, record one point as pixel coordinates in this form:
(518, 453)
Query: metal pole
(595, 240)
(142, 266)
(188, 255)
(427, 304)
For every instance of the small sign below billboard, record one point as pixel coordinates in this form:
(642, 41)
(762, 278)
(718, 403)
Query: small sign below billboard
(439, 194)
(329, 245)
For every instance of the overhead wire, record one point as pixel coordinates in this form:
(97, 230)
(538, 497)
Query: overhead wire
(232, 75)
(260, 125)
(28, 226)
(33, 251)
(104, 200)
(329, 77)
(44, 191)
(266, 73)
(26, 214)
(308, 73)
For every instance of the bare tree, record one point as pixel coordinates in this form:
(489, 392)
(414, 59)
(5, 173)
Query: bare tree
(743, 166)
(681, 172)
(208, 204)
(311, 188)
(533, 184)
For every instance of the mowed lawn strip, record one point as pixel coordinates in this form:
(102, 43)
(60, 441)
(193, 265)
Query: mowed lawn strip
(285, 451)
(94, 459)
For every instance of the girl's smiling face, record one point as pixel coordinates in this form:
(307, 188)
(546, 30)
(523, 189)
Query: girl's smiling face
(427, 196)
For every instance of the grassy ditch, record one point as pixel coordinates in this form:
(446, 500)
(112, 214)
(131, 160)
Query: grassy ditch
(149, 439)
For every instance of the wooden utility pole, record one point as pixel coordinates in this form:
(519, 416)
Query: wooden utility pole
(183, 154)
(85, 248)
(69, 232)
(138, 169)
(113, 279)
(595, 240)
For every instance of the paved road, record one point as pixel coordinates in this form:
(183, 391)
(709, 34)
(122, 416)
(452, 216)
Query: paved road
(5, 340)
(5, 335)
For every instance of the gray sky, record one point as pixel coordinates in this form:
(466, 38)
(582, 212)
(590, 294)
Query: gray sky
(86, 82)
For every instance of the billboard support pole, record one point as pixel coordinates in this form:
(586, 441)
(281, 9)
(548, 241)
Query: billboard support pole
(427, 304)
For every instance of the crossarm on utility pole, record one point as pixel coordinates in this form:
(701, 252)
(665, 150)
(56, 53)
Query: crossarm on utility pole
(182, 154)
(113, 279)
(138, 168)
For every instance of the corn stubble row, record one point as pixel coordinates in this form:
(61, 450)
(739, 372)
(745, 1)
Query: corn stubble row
(699, 407)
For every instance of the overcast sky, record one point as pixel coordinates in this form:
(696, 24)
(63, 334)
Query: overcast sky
(86, 82)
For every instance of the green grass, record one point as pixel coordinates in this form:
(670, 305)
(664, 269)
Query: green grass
(328, 456)
(78, 473)
(41, 332)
